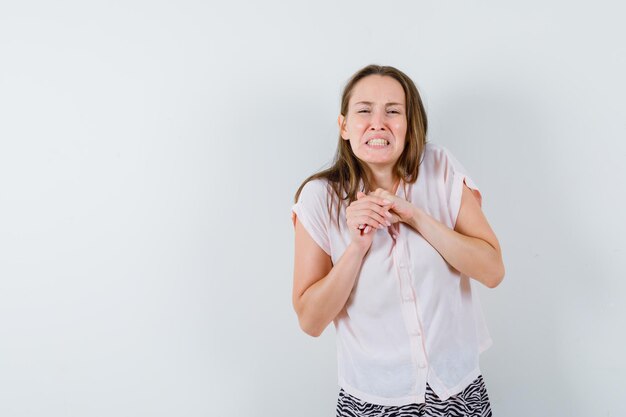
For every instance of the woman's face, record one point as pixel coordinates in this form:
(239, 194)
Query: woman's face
(376, 123)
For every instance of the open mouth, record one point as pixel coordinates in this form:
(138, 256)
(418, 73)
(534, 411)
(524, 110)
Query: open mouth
(377, 143)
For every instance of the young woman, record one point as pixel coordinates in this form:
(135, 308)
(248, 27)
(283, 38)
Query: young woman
(386, 242)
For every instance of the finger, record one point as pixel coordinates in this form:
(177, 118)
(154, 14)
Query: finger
(360, 195)
(370, 198)
(394, 218)
(375, 205)
(364, 208)
(378, 215)
(380, 192)
(371, 218)
(379, 199)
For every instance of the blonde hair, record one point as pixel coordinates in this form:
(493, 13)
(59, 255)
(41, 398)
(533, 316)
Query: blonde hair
(347, 171)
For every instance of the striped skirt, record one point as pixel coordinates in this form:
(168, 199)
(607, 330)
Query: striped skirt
(473, 401)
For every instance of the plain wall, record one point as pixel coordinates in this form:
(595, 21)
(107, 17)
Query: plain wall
(150, 151)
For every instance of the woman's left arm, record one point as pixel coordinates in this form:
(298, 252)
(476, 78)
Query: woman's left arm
(471, 248)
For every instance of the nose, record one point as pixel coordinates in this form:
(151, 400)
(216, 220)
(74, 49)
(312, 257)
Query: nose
(377, 121)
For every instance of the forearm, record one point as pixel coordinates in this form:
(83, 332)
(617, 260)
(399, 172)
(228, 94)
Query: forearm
(322, 301)
(471, 256)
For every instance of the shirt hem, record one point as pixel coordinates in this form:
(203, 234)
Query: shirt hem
(307, 222)
(444, 393)
(373, 399)
(486, 344)
(457, 194)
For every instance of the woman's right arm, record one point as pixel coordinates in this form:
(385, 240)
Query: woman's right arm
(321, 289)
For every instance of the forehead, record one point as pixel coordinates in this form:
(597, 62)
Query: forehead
(378, 89)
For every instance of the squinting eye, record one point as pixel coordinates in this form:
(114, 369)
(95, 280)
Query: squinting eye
(363, 111)
(394, 111)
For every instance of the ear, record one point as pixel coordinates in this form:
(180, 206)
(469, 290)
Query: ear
(341, 121)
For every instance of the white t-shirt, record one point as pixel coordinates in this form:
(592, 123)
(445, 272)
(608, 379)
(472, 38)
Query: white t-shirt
(411, 318)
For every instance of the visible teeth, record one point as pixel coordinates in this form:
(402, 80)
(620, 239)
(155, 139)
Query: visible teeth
(379, 142)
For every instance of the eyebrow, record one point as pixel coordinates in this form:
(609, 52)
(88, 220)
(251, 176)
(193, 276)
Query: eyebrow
(369, 103)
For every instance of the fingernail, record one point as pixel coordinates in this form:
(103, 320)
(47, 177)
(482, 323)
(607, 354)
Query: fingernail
(386, 202)
(388, 223)
(367, 229)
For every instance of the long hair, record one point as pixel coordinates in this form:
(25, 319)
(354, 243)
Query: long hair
(347, 171)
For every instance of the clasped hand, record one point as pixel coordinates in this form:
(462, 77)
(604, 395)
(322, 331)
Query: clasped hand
(378, 209)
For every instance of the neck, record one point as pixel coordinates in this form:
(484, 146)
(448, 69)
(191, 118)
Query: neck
(384, 180)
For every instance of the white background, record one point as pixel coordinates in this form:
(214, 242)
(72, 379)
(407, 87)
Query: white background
(149, 153)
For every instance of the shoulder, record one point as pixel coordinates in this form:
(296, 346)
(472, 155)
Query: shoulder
(317, 188)
(439, 158)
(436, 158)
(436, 152)
(312, 212)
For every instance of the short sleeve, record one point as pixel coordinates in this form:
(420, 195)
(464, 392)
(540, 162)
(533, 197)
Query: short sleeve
(312, 212)
(455, 176)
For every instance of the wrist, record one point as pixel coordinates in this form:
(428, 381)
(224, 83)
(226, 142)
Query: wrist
(358, 250)
(415, 220)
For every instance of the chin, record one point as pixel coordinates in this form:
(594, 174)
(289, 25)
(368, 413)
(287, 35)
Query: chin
(378, 162)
